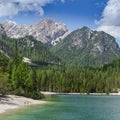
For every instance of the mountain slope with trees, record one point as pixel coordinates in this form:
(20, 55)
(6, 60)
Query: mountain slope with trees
(88, 68)
(85, 47)
(29, 47)
(19, 78)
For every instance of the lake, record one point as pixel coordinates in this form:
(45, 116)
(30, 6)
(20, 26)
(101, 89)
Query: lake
(70, 107)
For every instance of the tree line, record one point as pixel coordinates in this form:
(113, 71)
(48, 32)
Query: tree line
(17, 77)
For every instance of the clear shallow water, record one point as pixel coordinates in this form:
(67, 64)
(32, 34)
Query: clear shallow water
(71, 107)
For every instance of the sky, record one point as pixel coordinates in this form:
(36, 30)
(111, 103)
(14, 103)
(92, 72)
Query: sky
(100, 15)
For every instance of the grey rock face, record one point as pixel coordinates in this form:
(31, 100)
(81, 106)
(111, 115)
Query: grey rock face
(46, 30)
(85, 47)
(97, 41)
(2, 32)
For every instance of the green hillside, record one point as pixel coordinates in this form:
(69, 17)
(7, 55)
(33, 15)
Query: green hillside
(28, 47)
(85, 47)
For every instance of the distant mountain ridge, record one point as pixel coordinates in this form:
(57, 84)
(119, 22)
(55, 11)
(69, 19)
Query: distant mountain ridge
(85, 47)
(45, 30)
(51, 42)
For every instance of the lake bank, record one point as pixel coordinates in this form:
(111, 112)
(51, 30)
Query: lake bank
(9, 102)
(46, 93)
(70, 107)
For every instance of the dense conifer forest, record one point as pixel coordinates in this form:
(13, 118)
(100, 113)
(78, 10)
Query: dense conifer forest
(17, 77)
(47, 72)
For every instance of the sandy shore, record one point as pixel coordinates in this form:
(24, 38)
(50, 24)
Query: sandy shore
(11, 102)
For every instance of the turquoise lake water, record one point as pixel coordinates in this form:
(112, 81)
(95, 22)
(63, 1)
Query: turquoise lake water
(70, 107)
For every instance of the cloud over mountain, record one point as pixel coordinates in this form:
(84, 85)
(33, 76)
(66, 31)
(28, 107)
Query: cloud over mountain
(110, 22)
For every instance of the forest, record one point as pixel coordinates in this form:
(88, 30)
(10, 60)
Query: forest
(19, 78)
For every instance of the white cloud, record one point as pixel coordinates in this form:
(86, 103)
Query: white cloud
(110, 21)
(112, 30)
(8, 10)
(13, 7)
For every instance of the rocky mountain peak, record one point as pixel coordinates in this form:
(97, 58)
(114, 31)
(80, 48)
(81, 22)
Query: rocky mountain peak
(2, 32)
(45, 21)
(1, 27)
(85, 28)
(87, 47)
(45, 30)
(8, 22)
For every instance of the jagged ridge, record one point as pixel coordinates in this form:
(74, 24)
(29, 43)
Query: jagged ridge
(85, 47)
(45, 30)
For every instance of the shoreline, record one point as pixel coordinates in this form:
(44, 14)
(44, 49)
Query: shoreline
(11, 102)
(46, 93)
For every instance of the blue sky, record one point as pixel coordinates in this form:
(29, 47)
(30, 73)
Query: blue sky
(96, 14)
(74, 13)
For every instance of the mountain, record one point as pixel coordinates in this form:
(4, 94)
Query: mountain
(85, 47)
(45, 30)
(82, 47)
(29, 48)
(2, 32)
